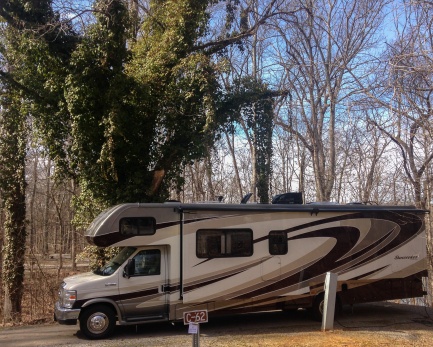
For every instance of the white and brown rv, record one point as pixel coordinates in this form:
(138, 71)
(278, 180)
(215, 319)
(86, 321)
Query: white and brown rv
(233, 259)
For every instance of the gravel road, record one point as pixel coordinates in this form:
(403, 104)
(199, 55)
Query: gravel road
(391, 324)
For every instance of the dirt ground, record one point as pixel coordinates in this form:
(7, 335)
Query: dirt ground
(379, 324)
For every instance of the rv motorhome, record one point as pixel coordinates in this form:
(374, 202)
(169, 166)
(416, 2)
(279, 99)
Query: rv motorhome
(233, 259)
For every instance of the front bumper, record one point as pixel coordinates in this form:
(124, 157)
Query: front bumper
(66, 316)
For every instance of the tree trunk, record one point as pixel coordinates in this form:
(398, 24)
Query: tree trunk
(253, 169)
(73, 231)
(133, 10)
(1, 244)
(254, 178)
(46, 209)
(429, 234)
(13, 140)
(235, 165)
(32, 202)
(208, 168)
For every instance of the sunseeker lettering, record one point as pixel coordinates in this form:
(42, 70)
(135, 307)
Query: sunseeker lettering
(409, 257)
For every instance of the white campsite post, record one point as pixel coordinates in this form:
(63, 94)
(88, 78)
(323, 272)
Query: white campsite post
(329, 305)
(196, 336)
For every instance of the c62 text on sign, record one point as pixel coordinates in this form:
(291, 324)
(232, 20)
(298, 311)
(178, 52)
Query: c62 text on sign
(199, 316)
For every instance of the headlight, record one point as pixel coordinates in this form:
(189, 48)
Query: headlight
(67, 298)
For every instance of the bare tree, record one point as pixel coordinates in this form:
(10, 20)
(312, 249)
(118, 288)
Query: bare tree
(318, 48)
(407, 94)
(364, 148)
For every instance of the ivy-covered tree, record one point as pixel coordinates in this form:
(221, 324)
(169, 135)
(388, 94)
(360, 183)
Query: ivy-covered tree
(250, 101)
(180, 84)
(37, 47)
(12, 186)
(138, 114)
(143, 106)
(30, 75)
(120, 108)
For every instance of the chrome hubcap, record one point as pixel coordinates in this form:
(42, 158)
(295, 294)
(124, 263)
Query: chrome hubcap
(98, 322)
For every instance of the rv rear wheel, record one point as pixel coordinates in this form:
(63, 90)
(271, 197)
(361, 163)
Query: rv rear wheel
(97, 322)
(319, 306)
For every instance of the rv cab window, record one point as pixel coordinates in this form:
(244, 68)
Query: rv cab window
(111, 266)
(222, 243)
(137, 226)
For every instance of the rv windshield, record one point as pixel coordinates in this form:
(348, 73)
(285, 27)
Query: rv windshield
(111, 266)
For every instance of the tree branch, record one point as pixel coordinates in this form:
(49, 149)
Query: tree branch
(221, 44)
(403, 148)
(8, 79)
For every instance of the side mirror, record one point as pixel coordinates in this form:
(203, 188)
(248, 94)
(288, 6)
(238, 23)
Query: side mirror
(129, 269)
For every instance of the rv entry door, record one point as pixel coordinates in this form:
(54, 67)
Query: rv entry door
(142, 295)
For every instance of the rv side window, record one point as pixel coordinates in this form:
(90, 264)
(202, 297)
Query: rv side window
(278, 242)
(221, 243)
(137, 226)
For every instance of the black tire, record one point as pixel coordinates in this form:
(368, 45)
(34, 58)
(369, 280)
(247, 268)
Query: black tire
(317, 308)
(319, 305)
(97, 322)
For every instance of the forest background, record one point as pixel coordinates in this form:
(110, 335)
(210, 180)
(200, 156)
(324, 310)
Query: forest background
(142, 101)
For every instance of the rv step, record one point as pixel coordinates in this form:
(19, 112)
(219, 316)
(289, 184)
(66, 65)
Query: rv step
(146, 318)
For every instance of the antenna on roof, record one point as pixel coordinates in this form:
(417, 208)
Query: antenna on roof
(246, 198)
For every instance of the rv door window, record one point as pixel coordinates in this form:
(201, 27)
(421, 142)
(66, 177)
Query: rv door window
(148, 262)
(278, 243)
(137, 226)
(221, 243)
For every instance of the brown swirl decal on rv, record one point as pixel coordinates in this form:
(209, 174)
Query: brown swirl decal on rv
(114, 237)
(402, 228)
(147, 294)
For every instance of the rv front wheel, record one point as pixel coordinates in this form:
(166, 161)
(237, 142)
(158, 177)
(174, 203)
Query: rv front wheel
(97, 322)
